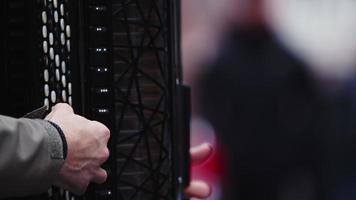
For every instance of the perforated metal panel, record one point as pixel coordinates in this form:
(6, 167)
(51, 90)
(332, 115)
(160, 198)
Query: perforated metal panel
(56, 48)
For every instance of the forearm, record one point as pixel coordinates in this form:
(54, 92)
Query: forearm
(31, 155)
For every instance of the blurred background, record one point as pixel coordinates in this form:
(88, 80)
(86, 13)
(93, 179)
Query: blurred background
(284, 70)
(204, 23)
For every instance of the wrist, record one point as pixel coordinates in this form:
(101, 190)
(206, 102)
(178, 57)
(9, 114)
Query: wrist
(63, 138)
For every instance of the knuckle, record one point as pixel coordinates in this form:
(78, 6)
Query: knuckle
(68, 107)
(99, 176)
(103, 156)
(104, 176)
(62, 106)
(59, 105)
(101, 128)
(106, 132)
(106, 153)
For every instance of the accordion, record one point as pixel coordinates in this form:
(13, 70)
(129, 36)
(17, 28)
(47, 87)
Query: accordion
(114, 61)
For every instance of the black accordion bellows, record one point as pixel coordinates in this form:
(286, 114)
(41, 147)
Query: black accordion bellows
(113, 61)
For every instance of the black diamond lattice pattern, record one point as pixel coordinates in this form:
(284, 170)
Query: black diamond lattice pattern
(140, 51)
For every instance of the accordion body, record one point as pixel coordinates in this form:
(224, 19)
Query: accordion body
(114, 61)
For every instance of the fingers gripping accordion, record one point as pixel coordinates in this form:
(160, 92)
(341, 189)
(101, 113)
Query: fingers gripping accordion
(116, 62)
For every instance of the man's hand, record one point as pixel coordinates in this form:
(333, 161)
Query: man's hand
(87, 149)
(199, 189)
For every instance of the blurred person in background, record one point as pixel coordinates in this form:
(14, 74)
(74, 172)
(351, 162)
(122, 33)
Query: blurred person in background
(281, 96)
(204, 23)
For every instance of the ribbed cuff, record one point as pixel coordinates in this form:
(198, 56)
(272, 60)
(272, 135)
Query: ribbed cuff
(64, 141)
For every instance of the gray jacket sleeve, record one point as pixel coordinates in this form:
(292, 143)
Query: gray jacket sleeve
(31, 155)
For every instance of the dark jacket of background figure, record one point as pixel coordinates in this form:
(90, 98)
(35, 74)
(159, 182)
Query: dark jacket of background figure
(286, 138)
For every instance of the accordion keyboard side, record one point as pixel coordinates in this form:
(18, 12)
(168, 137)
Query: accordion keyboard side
(111, 60)
(129, 40)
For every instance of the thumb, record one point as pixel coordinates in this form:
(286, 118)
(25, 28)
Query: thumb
(63, 107)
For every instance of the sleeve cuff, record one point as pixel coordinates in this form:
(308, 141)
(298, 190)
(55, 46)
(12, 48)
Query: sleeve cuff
(57, 141)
